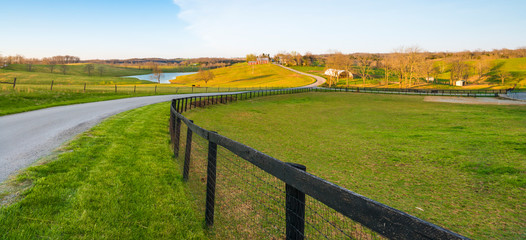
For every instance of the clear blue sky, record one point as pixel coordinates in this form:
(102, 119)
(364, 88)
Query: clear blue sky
(232, 28)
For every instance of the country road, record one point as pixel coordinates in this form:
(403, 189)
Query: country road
(26, 137)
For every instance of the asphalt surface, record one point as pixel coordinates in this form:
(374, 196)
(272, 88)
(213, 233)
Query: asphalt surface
(26, 137)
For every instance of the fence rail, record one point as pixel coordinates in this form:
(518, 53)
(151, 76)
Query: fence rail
(278, 199)
(411, 91)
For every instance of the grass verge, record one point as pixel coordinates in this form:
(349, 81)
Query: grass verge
(116, 181)
(459, 166)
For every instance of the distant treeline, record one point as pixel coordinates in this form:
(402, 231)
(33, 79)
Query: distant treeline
(410, 64)
(141, 63)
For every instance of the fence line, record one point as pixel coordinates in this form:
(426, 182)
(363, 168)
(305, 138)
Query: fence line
(411, 91)
(279, 200)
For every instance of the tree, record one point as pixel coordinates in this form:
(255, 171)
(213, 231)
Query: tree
(459, 70)
(101, 70)
(502, 75)
(388, 63)
(157, 72)
(334, 61)
(88, 68)
(64, 68)
(251, 57)
(364, 62)
(50, 62)
(205, 75)
(482, 67)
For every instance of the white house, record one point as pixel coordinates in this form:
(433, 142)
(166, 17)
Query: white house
(337, 73)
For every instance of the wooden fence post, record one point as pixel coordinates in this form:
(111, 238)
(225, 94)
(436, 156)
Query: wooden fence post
(295, 210)
(14, 83)
(211, 183)
(187, 153)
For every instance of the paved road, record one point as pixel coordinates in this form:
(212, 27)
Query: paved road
(319, 80)
(26, 137)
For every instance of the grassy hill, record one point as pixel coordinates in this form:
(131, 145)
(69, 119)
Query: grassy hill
(242, 75)
(516, 67)
(450, 164)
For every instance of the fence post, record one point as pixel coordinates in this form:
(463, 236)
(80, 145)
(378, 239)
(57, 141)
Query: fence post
(84, 87)
(52, 81)
(211, 183)
(14, 83)
(295, 210)
(155, 89)
(186, 166)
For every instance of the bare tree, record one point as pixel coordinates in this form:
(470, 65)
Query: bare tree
(101, 70)
(205, 75)
(364, 62)
(157, 72)
(335, 61)
(88, 68)
(482, 66)
(502, 75)
(50, 62)
(459, 70)
(64, 68)
(388, 62)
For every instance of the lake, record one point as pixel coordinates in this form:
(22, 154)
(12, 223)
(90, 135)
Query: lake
(165, 77)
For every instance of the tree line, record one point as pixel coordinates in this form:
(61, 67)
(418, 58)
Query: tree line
(409, 65)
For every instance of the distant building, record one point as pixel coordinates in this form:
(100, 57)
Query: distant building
(259, 60)
(338, 73)
(430, 79)
(460, 83)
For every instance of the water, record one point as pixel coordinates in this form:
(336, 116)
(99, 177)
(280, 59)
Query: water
(165, 77)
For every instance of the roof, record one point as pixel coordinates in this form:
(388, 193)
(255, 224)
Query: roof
(336, 72)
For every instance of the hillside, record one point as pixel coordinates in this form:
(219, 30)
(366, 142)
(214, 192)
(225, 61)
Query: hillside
(243, 75)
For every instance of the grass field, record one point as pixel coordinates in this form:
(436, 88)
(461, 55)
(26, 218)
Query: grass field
(462, 167)
(516, 67)
(242, 75)
(116, 181)
(79, 70)
(33, 89)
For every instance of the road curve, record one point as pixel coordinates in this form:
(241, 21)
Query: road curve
(319, 80)
(26, 137)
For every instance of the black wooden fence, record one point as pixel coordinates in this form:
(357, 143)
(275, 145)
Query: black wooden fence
(411, 91)
(246, 194)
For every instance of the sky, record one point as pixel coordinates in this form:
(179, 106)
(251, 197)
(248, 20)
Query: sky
(107, 29)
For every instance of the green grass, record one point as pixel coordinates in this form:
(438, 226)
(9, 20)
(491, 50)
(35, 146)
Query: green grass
(79, 70)
(463, 165)
(28, 97)
(242, 75)
(116, 181)
(43, 78)
(515, 66)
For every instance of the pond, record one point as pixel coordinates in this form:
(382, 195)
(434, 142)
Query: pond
(165, 77)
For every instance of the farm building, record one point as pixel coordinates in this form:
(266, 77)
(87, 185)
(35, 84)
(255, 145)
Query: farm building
(259, 61)
(337, 73)
(460, 83)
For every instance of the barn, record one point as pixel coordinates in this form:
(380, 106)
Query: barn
(338, 73)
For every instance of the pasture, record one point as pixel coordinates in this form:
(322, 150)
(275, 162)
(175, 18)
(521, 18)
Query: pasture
(242, 75)
(458, 166)
(116, 181)
(515, 67)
